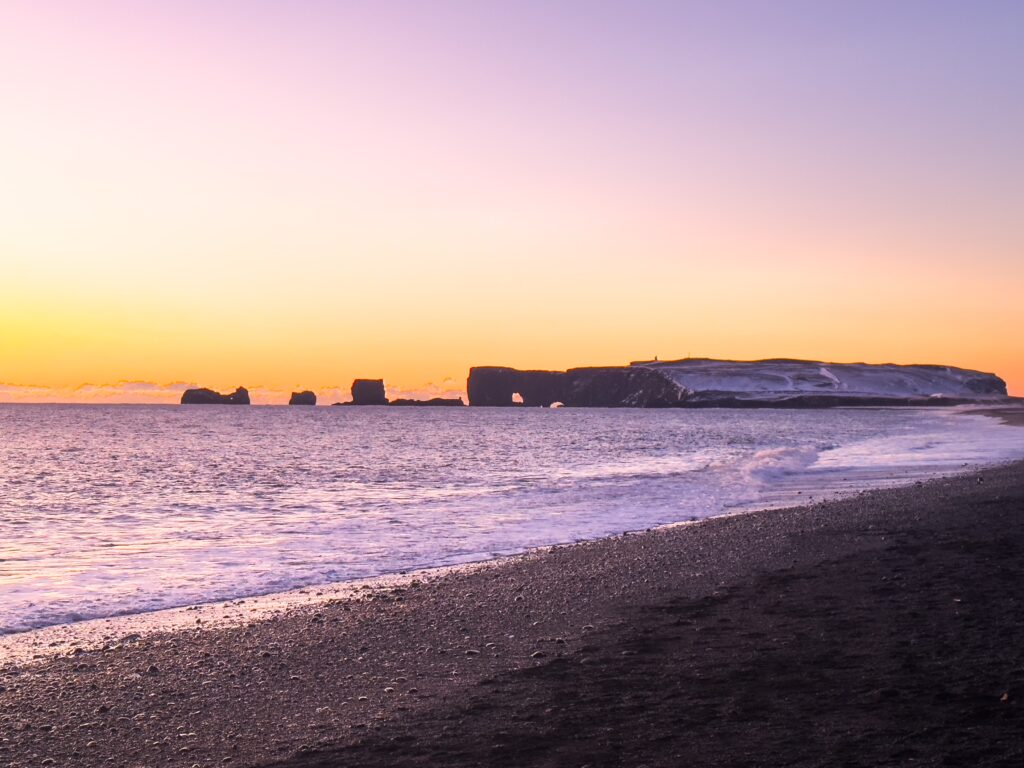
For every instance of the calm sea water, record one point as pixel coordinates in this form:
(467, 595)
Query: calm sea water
(112, 510)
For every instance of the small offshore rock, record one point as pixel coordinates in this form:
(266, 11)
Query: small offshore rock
(302, 398)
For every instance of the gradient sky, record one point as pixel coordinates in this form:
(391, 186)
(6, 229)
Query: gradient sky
(295, 194)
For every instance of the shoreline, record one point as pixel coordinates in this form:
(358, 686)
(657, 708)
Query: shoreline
(48, 640)
(345, 670)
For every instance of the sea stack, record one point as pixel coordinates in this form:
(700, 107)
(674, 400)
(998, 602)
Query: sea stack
(205, 396)
(302, 398)
(369, 392)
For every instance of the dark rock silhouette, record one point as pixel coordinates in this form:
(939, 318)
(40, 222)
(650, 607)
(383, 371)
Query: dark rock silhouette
(434, 401)
(302, 398)
(578, 387)
(495, 386)
(701, 383)
(205, 396)
(629, 387)
(369, 392)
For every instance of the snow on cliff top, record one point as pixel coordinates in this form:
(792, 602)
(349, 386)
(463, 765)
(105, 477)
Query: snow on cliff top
(782, 378)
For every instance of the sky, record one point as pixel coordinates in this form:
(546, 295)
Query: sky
(293, 195)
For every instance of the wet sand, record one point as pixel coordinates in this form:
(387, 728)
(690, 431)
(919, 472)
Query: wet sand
(1008, 414)
(883, 629)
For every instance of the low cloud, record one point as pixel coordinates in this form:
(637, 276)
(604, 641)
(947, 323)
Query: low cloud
(447, 388)
(141, 392)
(117, 392)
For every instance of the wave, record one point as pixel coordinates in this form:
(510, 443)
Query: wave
(774, 463)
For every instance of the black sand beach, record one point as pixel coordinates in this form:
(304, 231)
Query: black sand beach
(883, 629)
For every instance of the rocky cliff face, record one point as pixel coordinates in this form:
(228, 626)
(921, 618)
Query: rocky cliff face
(208, 397)
(578, 387)
(726, 383)
(369, 392)
(630, 387)
(495, 386)
(302, 398)
(797, 383)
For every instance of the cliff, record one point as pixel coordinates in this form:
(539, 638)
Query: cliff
(815, 384)
(700, 383)
(495, 386)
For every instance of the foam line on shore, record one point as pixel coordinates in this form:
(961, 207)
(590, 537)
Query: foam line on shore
(328, 670)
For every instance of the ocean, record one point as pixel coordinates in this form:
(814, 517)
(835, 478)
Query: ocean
(114, 510)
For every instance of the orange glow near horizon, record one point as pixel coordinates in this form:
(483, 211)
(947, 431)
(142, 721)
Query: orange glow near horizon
(246, 194)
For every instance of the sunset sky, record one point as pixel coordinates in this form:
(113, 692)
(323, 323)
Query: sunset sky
(293, 194)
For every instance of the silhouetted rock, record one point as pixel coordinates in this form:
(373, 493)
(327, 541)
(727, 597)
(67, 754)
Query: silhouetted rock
(496, 386)
(302, 398)
(700, 383)
(628, 387)
(369, 392)
(208, 397)
(434, 401)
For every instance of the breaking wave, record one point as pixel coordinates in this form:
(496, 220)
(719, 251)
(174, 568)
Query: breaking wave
(117, 510)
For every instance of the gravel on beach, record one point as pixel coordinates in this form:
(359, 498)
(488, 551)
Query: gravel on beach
(882, 629)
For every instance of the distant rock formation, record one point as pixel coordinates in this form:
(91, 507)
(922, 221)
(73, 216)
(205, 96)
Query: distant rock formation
(208, 397)
(621, 388)
(302, 398)
(369, 392)
(496, 386)
(434, 401)
(700, 383)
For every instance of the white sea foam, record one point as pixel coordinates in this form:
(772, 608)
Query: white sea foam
(773, 463)
(118, 510)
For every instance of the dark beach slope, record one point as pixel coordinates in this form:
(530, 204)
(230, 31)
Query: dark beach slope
(883, 629)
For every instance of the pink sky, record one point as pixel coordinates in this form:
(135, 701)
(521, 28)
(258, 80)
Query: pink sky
(293, 195)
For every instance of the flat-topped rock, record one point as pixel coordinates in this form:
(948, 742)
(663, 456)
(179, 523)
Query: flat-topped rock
(203, 396)
(302, 398)
(369, 392)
